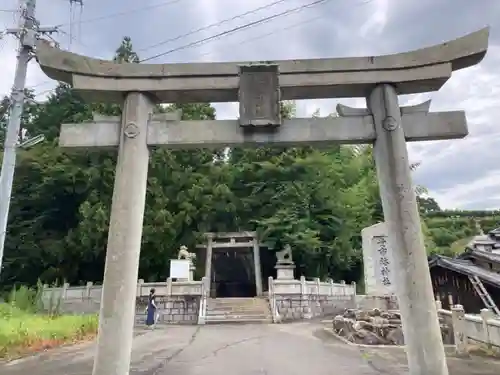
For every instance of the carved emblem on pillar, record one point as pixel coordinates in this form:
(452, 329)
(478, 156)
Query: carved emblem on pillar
(131, 130)
(390, 123)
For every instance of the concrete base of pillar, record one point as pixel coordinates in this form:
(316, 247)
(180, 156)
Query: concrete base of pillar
(285, 271)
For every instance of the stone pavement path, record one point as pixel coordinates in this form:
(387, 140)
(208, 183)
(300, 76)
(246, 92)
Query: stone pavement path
(290, 349)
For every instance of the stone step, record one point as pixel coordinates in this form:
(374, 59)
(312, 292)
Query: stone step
(259, 304)
(238, 310)
(237, 319)
(236, 313)
(229, 307)
(238, 302)
(237, 316)
(232, 313)
(235, 308)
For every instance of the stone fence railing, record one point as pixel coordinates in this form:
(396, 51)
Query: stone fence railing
(73, 299)
(302, 299)
(186, 301)
(483, 328)
(94, 292)
(178, 302)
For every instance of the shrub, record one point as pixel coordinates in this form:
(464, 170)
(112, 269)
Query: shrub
(25, 325)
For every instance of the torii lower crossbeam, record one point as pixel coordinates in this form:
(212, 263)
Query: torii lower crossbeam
(172, 133)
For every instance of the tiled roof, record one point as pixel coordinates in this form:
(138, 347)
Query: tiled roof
(493, 257)
(491, 239)
(465, 267)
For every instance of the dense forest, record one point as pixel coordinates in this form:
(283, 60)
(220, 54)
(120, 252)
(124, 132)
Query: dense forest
(316, 201)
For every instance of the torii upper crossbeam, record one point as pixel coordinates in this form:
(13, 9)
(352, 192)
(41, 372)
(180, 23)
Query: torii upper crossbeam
(422, 70)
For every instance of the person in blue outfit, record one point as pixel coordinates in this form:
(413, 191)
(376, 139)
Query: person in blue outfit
(151, 315)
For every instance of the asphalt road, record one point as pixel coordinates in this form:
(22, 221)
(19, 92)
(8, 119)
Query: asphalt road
(292, 349)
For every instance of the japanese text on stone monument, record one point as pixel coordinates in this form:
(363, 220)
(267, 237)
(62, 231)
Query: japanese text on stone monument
(384, 265)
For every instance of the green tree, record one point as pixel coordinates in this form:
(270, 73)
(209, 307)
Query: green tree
(125, 53)
(317, 201)
(4, 108)
(427, 205)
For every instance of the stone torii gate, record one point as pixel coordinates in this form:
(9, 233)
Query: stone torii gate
(259, 87)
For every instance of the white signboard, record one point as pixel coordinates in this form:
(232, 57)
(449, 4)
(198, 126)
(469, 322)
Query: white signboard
(378, 266)
(179, 268)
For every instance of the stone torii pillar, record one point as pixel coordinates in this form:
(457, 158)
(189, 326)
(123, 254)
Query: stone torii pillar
(117, 315)
(420, 321)
(259, 87)
(412, 279)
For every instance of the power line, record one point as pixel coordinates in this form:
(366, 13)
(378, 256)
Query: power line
(261, 36)
(72, 19)
(244, 41)
(39, 84)
(45, 92)
(73, 39)
(124, 13)
(292, 26)
(241, 15)
(238, 28)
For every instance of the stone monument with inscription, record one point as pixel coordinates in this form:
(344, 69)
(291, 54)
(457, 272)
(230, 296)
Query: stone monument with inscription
(377, 261)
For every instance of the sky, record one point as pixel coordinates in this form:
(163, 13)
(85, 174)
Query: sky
(459, 174)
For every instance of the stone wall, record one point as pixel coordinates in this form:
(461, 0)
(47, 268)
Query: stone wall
(300, 299)
(384, 303)
(296, 307)
(171, 309)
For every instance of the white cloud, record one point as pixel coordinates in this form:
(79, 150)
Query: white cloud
(470, 193)
(376, 22)
(35, 79)
(475, 159)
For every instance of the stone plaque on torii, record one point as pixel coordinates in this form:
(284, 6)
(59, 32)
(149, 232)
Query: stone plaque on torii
(259, 87)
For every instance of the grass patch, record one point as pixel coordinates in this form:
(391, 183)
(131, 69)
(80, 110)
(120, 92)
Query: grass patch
(25, 328)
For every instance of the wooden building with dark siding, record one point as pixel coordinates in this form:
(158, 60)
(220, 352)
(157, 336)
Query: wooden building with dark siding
(451, 279)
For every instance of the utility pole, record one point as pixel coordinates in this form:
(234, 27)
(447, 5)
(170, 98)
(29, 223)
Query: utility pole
(27, 32)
